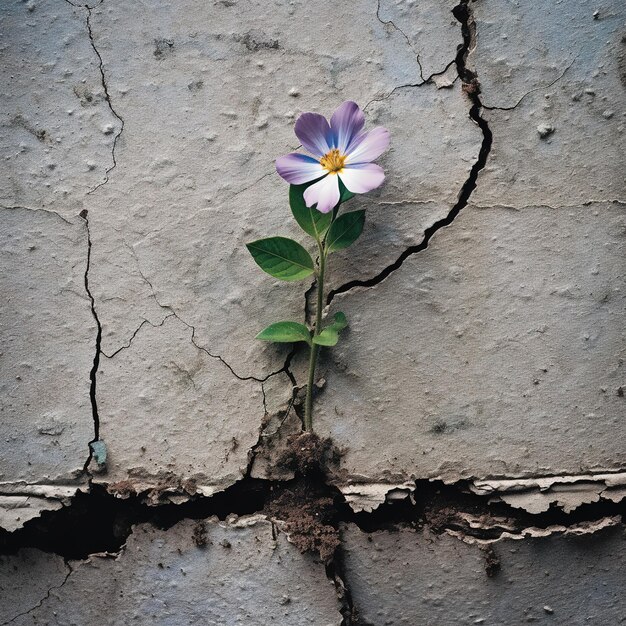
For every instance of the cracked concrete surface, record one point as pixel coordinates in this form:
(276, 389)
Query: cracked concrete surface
(47, 346)
(57, 130)
(191, 440)
(561, 66)
(410, 577)
(485, 300)
(497, 351)
(236, 572)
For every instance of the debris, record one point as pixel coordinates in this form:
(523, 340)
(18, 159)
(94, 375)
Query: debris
(545, 130)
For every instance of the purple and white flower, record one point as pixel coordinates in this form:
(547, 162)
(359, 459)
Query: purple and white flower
(341, 150)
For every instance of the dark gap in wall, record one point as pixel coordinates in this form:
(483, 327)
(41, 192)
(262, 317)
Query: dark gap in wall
(99, 521)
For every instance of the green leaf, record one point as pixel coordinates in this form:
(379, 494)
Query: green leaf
(345, 195)
(285, 332)
(310, 220)
(345, 230)
(282, 258)
(330, 335)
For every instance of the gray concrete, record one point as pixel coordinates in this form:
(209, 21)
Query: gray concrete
(495, 352)
(495, 355)
(242, 575)
(407, 577)
(48, 338)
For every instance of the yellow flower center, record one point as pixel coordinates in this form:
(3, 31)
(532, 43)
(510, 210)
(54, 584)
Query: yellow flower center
(333, 161)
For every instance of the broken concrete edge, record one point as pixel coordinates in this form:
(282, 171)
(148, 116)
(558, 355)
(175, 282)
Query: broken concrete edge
(533, 532)
(21, 502)
(197, 534)
(534, 495)
(568, 492)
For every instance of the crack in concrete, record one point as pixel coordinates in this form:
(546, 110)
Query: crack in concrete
(107, 95)
(40, 603)
(27, 208)
(173, 313)
(396, 27)
(556, 80)
(463, 14)
(96, 359)
(132, 337)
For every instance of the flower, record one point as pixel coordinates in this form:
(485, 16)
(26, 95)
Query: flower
(340, 151)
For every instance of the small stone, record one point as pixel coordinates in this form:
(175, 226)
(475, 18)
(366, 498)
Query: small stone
(545, 130)
(608, 114)
(108, 129)
(596, 15)
(294, 93)
(548, 609)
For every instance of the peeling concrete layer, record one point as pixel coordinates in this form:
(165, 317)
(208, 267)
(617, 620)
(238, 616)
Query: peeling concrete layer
(537, 495)
(498, 351)
(204, 572)
(410, 577)
(48, 342)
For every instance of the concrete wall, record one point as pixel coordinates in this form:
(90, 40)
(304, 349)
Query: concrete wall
(485, 353)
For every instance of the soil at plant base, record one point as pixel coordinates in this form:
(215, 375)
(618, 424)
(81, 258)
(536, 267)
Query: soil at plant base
(310, 456)
(308, 507)
(308, 515)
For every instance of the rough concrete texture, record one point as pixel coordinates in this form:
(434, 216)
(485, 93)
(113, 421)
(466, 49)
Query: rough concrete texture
(138, 142)
(198, 572)
(47, 337)
(555, 73)
(190, 444)
(57, 130)
(410, 577)
(497, 351)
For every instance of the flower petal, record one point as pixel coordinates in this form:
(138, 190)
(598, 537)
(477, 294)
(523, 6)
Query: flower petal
(362, 177)
(314, 133)
(346, 123)
(324, 193)
(298, 168)
(368, 146)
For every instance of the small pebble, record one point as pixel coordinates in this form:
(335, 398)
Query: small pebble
(608, 114)
(294, 93)
(545, 130)
(548, 609)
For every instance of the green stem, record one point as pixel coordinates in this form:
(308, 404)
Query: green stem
(308, 403)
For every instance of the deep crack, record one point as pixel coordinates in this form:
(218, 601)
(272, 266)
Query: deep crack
(471, 86)
(96, 359)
